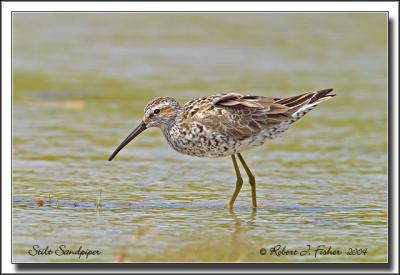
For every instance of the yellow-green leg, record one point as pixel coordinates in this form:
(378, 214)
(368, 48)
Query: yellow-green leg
(239, 183)
(252, 180)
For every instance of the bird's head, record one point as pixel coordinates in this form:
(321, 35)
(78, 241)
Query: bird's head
(159, 112)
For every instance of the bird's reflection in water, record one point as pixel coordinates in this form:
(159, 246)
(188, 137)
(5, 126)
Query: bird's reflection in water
(239, 221)
(238, 237)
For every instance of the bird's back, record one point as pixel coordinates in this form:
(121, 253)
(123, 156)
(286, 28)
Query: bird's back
(226, 124)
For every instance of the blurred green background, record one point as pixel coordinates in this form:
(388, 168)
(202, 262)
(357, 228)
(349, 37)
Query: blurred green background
(81, 81)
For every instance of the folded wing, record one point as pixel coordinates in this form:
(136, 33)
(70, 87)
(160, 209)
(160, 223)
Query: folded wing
(242, 116)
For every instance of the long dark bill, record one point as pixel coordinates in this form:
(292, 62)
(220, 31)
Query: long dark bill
(142, 126)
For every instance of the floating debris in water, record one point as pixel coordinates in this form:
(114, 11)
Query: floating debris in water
(125, 203)
(98, 201)
(39, 202)
(121, 256)
(50, 200)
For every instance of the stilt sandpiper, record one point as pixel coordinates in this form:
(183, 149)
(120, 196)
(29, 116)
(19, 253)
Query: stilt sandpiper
(225, 125)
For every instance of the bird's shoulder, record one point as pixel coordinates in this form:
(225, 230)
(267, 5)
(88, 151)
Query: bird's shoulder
(192, 107)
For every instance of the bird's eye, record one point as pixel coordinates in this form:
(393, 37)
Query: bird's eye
(156, 111)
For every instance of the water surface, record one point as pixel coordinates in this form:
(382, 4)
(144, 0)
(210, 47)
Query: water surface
(81, 82)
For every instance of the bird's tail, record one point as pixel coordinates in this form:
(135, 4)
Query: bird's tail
(321, 96)
(302, 104)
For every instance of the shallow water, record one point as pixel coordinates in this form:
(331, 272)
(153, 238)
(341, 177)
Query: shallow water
(81, 82)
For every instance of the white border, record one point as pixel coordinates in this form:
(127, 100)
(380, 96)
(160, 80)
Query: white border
(8, 7)
(202, 6)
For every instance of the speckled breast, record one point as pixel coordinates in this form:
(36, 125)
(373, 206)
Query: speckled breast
(199, 141)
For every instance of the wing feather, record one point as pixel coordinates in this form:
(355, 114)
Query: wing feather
(243, 116)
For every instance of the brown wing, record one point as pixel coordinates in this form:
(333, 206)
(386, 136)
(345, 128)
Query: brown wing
(240, 116)
(244, 116)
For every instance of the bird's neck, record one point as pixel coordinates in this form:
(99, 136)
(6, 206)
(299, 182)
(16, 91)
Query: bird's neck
(174, 120)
